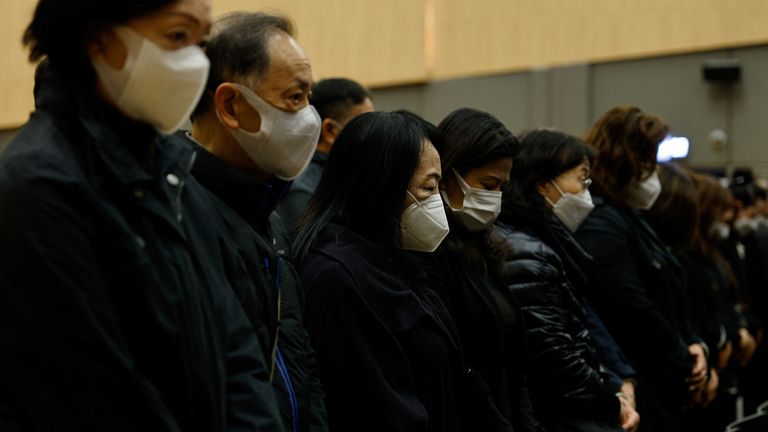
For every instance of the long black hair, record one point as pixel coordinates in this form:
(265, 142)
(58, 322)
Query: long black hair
(364, 183)
(544, 155)
(472, 138)
(61, 30)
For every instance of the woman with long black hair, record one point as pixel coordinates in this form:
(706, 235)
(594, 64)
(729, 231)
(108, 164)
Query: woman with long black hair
(389, 356)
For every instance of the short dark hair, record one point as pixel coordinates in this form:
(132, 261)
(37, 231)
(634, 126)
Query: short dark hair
(238, 49)
(472, 138)
(626, 140)
(544, 155)
(61, 30)
(675, 214)
(368, 172)
(334, 97)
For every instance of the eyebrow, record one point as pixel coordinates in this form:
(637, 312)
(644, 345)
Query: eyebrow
(303, 84)
(187, 16)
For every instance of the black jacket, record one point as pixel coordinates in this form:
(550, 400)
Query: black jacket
(564, 368)
(713, 307)
(487, 317)
(389, 356)
(293, 206)
(638, 288)
(115, 313)
(259, 265)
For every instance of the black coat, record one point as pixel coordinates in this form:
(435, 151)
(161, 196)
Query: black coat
(388, 354)
(293, 206)
(487, 317)
(564, 368)
(115, 313)
(259, 265)
(638, 289)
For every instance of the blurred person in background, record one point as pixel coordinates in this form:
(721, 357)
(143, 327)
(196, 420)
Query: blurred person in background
(337, 100)
(636, 285)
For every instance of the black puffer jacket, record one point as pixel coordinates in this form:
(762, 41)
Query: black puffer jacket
(564, 372)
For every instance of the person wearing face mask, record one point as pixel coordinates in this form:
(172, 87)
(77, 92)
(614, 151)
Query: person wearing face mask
(636, 285)
(389, 356)
(337, 100)
(253, 132)
(115, 311)
(684, 217)
(572, 385)
(476, 157)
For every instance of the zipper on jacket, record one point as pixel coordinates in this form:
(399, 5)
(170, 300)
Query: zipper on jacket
(288, 385)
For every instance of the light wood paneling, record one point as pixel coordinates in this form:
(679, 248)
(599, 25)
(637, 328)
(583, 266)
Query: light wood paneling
(487, 36)
(16, 73)
(375, 42)
(391, 42)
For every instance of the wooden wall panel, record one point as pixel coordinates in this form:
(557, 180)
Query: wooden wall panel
(375, 42)
(479, 37)
(382, 43)
(16, 73)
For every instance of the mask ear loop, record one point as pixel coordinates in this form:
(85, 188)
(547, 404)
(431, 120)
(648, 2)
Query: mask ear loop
(562, 194)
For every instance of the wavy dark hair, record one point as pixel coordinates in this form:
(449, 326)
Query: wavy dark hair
(675, 214)
(544, 155)
(714, 200)
(62, 29)
(626, 140)
(368, 172)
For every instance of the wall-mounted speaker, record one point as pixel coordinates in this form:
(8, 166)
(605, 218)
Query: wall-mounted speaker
(722, 70)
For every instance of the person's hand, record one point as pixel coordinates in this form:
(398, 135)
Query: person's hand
(628, 390)
(698, 376)
(709, 392)
(747, 346)
(628, 417)
(724, 355)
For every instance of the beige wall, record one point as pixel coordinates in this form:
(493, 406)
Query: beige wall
(16, 74)
(480, 37)
(384, 43)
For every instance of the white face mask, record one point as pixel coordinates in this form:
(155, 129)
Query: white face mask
(285, 142)
(721, 230)
(481, 207)
(155, 86)
(745, 226)
(572, 209)
(423, 225)
(644, 194)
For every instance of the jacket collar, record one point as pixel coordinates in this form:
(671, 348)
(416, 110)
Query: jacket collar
(129, 149)
(254, 200)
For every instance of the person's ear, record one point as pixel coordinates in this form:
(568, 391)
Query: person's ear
(107, 47)
(330, 130)
(543, 188)
(224, 104)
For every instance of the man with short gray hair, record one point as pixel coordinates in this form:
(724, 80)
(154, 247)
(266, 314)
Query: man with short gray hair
(254, 131)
